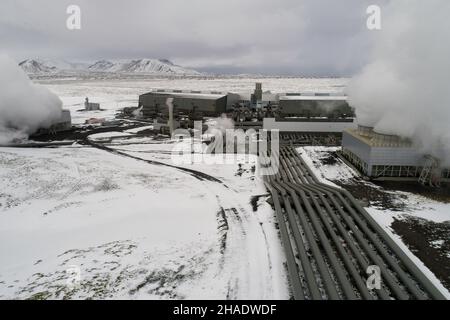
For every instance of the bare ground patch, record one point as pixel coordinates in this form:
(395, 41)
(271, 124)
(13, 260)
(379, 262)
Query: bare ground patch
(429, 241)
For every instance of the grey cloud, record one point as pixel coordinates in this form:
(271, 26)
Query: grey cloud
(308, 37)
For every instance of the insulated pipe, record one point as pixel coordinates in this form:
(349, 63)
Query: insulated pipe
(310, 183)
(340, 273)
(389, 279)
(311, 278)
(306, 264)
(329, 284)
(312, 242)
(344, 255)
(293, 271)
(407, 262)
(392, 283)
(434, 292)
(364, 245)
(381, 249)
(356, 252)
(329, 252)
(297, 289)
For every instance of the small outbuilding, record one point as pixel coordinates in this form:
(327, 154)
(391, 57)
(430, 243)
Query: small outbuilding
(90, 106)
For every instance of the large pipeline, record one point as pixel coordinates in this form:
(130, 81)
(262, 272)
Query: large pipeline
(335, 241)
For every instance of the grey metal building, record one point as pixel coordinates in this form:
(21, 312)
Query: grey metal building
(206, 104)
(63, 124)
(380, 156)
(314, 106)
(90, 106)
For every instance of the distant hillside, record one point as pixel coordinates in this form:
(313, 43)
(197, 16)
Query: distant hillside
(138, 66)
(151, 66)
(36, 66)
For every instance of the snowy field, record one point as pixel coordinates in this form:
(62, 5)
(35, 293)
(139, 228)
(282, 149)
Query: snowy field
(130, 228)
(333, 171)
(133, 229)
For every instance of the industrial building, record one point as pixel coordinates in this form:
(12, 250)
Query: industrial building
(63, 124)
(319, 113)
(90, 106)
(185, 103)
(258, 94)
(314, 106)
(384, 156)
(258, 99)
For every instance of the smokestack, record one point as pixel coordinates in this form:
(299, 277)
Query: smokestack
(169, 103)
(258, 91)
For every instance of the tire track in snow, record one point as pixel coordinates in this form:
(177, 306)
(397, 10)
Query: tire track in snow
(246, 259)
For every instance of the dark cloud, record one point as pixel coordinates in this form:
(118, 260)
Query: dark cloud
(295, 37)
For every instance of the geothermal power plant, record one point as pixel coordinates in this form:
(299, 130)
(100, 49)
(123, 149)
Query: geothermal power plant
(301, 118)
(304, 119)
(328, 237)
(225, 156)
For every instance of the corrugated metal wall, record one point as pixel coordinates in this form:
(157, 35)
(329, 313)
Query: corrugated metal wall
(380, 156)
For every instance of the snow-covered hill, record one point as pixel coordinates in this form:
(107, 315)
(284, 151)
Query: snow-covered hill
(141, 66)
(153, 66)
(31, 66)
(39, 66)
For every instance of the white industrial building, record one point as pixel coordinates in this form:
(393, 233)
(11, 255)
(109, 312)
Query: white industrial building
(387, 156)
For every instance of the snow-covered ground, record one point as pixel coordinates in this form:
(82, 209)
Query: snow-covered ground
(138, 230)
(413, 205)
(133, 229)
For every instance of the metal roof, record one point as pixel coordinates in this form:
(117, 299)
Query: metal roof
(373, 142)
(187, 95)
(314, 98)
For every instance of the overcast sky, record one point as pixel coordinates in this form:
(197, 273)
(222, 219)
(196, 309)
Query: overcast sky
(285, 37)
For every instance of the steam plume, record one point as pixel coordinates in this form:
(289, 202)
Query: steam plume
(24, 106)
(405, 90)
(221, 123)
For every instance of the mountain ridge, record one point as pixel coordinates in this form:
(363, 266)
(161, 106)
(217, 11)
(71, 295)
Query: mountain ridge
(125, 66)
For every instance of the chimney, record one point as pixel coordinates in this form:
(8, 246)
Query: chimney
(258, 91)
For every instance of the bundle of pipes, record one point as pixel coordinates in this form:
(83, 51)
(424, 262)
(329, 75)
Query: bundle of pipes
(330, 241)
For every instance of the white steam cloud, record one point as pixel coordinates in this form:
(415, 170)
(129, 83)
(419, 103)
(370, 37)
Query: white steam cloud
(24, 106)
(405, 90)
(222, 123)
